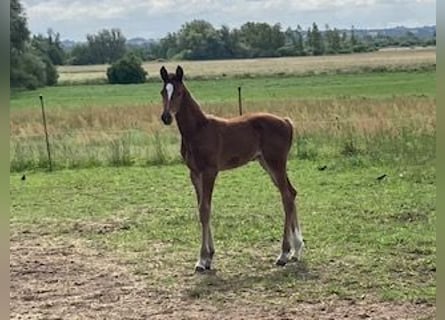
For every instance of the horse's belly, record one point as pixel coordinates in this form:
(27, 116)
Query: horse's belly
(235, 160)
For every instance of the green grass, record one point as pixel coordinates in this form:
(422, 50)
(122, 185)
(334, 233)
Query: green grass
(376, 85)
(364, 237)
(133, 134)
(144, 149)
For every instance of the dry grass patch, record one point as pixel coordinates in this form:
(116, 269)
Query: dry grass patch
(134, 135)
(388, 59)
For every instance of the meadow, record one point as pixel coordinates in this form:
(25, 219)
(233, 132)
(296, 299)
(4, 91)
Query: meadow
(119, 125)
(113, 232)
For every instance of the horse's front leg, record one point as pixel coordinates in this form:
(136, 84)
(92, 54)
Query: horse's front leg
(207, 181)
(196, 181)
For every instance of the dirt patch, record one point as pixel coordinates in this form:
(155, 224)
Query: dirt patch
(108, 226)
(63, 279)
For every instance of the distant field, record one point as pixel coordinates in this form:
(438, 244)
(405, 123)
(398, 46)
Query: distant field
(387, 59)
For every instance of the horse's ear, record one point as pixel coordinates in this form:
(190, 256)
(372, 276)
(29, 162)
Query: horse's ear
(179, 73)
(164, 74)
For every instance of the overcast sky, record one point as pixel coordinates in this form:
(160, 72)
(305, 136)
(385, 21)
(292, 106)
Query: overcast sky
(73, 19)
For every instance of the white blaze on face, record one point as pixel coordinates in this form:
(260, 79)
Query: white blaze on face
(169, 88)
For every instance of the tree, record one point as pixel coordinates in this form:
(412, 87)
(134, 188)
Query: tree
(262, 39)
(80, 55)
(316, 41)
(49, 46)
(18, 28)
(29, 67)
(167, 47)
(309, 44)
(332, 38)
(356, 44)
(107, 46)
(290, 41)
(230, 43)
(198, 39)
(353, 40)
(55, 50)
(299, 45)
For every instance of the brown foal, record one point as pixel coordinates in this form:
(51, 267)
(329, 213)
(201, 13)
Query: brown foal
(211, 144)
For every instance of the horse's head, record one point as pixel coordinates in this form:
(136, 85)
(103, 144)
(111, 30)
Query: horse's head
(172, 93)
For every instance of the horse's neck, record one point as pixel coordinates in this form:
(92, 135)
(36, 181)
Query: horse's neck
(190, 116)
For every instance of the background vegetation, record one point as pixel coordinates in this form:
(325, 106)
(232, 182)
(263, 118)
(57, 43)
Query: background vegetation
(33, 59)
(382, 117)
(200, 40)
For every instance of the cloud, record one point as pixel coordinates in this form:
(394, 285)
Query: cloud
(75, 18)
(73, 10)
(58, 10)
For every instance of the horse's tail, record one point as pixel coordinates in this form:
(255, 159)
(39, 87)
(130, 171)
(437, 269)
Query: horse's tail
(290, 124)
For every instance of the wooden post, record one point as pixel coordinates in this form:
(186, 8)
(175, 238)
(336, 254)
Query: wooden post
(46, 133)
(239, 101)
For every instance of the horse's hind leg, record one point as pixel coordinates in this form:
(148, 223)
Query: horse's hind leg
(292, 238)
(296, 234)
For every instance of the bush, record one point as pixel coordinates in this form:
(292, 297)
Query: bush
(29, 73)
(127, 70)
(32, 71)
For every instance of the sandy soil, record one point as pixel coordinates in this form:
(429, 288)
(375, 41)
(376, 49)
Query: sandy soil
(63, 279)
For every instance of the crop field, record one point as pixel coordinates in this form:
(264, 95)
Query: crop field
(113, 232)
(247, 68)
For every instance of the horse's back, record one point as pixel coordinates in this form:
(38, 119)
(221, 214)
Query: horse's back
(272, 128)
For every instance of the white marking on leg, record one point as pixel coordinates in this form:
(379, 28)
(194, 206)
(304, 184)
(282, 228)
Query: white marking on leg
(205, 263)
(201, 264)
(169, 87)
(296, 240)
(283, 257)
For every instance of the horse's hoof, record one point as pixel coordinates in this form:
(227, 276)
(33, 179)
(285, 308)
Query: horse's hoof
(280, 263)
(200, 269)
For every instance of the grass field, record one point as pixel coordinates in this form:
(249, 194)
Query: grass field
(370, 243)
(113, 231)
(258, 91)
(119, 125)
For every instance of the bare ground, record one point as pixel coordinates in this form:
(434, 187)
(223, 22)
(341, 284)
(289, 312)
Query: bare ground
(64, 279)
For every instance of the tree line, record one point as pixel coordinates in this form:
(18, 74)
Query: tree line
(200, 40)
(33, 59)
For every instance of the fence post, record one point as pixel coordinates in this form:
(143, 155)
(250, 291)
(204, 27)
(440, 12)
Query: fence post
(240, 106)
(46, 133)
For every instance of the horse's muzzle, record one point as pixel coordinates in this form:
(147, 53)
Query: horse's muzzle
(167, 118)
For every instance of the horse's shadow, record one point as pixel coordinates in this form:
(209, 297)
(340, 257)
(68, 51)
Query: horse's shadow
(272, 278)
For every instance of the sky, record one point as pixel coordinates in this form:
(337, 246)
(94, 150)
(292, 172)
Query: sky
(74, 19)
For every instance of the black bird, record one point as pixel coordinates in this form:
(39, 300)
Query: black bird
(23, 177)
(322, 168)
(380, 178)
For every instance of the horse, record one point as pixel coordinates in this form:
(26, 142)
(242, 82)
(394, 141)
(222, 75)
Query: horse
(210, 144)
